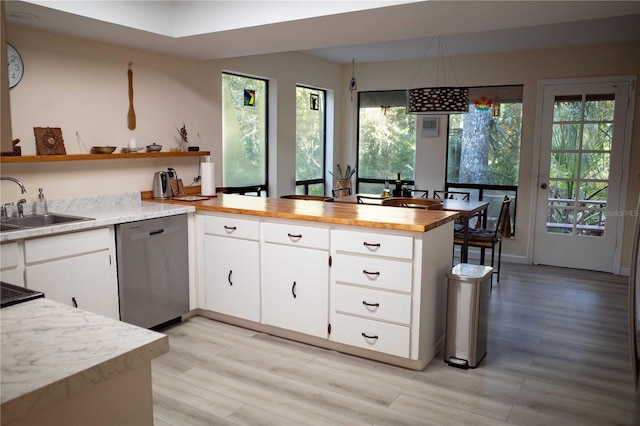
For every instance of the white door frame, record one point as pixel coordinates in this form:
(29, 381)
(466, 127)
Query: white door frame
(631, 80)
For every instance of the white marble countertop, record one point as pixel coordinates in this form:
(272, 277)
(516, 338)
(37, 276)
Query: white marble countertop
(105, 210)
(51, 351)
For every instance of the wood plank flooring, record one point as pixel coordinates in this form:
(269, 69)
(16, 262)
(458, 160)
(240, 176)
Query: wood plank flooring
(557, 355)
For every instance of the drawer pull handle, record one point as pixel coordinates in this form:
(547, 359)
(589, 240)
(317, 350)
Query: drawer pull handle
(366, 336)
(229, 277)
(375, 305)
(293, 290)
(73, 301)
(230, 228)
(377, 274)
(294, 236)
(371, 245)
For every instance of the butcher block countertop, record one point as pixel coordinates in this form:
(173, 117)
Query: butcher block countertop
(383, 217)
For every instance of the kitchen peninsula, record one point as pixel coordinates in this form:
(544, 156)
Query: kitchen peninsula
(361, 279)
(62, 365)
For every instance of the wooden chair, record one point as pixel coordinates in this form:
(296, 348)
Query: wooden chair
(416, 203)
(363, 199)
(488, 238)
(341, 192)
(420, 193)
(255, 190)
(308, 197)
(452, 195)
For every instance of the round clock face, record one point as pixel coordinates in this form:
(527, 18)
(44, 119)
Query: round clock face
(16, 66)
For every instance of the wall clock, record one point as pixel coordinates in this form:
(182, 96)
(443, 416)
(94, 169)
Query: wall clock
(16, 66)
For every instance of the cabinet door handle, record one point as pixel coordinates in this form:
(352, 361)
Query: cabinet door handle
(366, 336)
(364, 271)
(73, 302)
(230, 228)
(365, 303)
(293, 290)
(294, 236)
(371, 245)
(229, 277)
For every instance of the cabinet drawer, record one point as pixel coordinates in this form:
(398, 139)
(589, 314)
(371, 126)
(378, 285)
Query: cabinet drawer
(372, 272)
(232, 227)
(296, 235)
(59, 246)
(9, 255)
(368, 334)
(374, 304)
(384, 245)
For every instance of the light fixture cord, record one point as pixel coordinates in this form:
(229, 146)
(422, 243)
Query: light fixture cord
(453, 71)
(421, 61)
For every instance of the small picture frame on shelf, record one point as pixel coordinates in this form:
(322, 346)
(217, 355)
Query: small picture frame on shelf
(49, 141)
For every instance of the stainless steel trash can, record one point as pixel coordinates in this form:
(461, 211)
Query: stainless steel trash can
(468, 292)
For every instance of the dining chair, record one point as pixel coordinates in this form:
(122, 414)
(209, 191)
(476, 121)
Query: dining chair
(255, 190)
(341, 192)
(416, 203)
(452, 195)
(420, 193)
(363, 199)
(488, 238)
(308, 197)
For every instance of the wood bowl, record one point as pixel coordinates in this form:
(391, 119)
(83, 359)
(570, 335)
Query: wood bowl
(102, 149)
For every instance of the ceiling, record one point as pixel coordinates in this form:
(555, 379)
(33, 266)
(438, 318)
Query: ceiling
(340, 31)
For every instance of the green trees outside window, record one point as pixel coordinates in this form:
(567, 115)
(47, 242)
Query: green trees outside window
(386, 140)
(310, 140)
(244, 130)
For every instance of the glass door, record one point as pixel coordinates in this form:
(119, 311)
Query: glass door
(579, 183)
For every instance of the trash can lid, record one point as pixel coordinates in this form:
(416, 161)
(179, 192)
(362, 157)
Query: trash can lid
(472, 271)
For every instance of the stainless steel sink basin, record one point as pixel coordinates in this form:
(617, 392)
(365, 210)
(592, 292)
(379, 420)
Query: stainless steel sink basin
(38, 221)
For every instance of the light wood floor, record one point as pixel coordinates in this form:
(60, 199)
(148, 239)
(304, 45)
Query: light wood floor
(557, 355)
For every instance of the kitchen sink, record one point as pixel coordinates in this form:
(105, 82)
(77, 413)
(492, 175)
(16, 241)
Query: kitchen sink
(38, 221)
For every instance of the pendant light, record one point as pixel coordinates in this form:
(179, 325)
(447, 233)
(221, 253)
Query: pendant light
(353, 85)
(439, 99)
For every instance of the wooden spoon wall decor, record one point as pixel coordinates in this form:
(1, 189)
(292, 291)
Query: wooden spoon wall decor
(131, 115)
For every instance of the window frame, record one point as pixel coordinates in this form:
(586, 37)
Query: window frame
(321, 180)
(265, 184)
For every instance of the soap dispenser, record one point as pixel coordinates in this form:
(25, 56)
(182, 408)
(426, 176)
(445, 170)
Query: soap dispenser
(41, 203)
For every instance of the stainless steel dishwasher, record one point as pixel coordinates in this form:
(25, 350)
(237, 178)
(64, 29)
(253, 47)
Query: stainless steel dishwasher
(153, 273)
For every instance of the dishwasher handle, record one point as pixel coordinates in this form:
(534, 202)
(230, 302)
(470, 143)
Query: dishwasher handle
(159, 231)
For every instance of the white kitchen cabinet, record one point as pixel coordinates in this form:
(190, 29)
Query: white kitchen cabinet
(77, 269)
(231, 266)
(12, 263)
(388, 291)
(295, 278)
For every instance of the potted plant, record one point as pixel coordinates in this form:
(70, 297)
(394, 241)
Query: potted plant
(344, 179)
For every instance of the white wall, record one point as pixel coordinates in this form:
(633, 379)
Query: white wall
(80, 85)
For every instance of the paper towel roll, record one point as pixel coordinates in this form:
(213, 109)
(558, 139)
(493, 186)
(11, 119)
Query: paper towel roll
(208, 179)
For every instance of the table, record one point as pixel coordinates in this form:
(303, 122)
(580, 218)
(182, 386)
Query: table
(466, 209)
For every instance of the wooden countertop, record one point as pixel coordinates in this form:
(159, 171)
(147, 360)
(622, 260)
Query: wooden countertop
(394, 218)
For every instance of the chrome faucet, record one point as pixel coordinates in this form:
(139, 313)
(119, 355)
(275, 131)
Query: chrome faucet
(22, 188)
(21, 207)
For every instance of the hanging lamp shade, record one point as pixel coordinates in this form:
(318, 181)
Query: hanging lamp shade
(438, 100)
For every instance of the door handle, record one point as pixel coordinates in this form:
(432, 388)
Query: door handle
(544, 185)
(229, 277)
(293, 290)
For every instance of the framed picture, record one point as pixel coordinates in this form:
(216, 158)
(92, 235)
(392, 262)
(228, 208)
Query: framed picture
(49, 141)
(429, 127)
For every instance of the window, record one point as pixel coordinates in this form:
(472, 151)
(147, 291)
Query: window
(310, 140)
(244, 131)
(386, 140)
(483, 152)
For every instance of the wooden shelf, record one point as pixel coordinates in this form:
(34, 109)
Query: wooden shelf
(85, 157)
